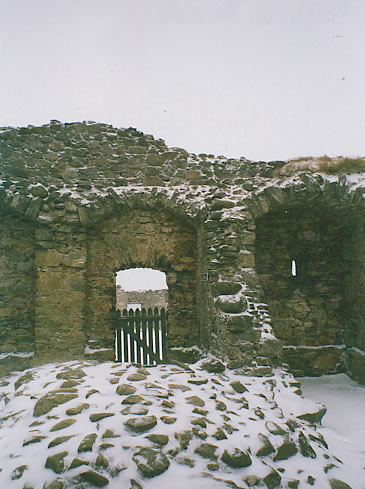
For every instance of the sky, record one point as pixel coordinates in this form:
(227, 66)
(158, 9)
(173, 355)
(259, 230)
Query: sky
(264, 79)
(141, 279)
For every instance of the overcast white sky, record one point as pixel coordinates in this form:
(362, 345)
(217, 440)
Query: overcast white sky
(265, 79)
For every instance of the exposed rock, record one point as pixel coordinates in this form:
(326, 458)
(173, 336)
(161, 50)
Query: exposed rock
(286, 450)
(87, 443)
(220, 434)
(133, 409)
(195, 400)
(133, 399)
(266, 448)
(91, 393)
(141, 424)
(213, 366)
(238, 387)
(18, 472)
(272, 480)
(125, 389)
(136, 377)
(151, 462)
(101, 461)
(180, 387)
(59, 440)
(77, 462)
(236, 458)
(158, 439)
(168, 419)
(65, 423)
(94, 478)
(315, 417)
(35, 439)
(71, 374)
(337, 484)
(46, 403)
(99, 416)
(206, 450)
(56, 462)
(304, 446)
(78, 409)
(184, 439)
(274, 428)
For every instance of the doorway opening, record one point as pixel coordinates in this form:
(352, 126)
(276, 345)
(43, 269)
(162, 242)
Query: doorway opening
(141, 331)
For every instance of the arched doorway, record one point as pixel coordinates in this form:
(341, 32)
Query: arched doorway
(147, 239)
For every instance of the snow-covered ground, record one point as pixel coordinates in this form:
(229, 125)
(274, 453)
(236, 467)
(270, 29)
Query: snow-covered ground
(83, 425)
(343, 426)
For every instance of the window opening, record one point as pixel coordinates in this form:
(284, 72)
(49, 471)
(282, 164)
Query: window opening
(141, 298)
(293, 268)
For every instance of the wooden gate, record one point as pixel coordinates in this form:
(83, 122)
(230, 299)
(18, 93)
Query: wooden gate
(141, 336)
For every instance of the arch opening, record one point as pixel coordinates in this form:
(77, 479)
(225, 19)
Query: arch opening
(142, 239)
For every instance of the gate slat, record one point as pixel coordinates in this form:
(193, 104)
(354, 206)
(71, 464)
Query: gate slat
(144, 336)
(164, 334)
(151, 326)
(137, 323)
(125, 339)
(156, 334)
(131, 338)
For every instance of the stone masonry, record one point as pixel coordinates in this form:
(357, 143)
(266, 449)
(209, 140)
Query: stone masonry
(81, 201)
(147, 298)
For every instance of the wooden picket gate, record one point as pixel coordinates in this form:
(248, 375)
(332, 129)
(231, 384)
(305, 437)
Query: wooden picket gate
(141, 336)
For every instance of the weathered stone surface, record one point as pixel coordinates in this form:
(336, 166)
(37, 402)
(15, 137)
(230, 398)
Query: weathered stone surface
(151, 462)
(134, 409)
(46, 403)
(168, 419)
(99, 416)
(65, 423)
(236, 458)
(184, 439)
(338, 484)
(195, 401)
(18, 472)
(133, 399)
(78, 409)
(125, 389)
(158, 439)
(304, 446)
(274, 428)
(35, 439)
(94, 478)
(56, 462)
(141, 424)
(272, 480)
(267, 447)
(136, 377)
(59, 440)
(206, 450)
(238, 387)
(231, 304)
(87, 443)
(286, 450)
(315, 417)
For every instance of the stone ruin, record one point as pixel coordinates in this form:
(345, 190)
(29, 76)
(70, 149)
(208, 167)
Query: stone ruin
(144, 299)
(81, 201)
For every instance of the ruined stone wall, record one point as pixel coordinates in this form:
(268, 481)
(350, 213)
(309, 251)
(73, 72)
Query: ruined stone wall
(147, 298)
(309, 309)
(142, 239)
(81, 201)
(17, 285)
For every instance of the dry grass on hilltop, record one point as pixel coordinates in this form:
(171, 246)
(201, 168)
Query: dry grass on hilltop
(323, 164)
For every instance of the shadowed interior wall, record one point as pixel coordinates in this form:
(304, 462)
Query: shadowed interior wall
(310, 311)
(141, 239)
(17, 278)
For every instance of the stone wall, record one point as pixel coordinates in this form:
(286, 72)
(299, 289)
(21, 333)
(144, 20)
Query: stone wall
(81, 201)
(147, 298)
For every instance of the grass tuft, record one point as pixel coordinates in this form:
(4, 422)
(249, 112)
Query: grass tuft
(323, 164)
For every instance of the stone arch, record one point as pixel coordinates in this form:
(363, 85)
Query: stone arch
(149, 238)
(317, 314)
